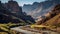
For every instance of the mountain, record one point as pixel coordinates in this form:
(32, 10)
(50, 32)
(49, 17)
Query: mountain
(54, 21)
(12, 12)
(30, 7)
(39, 9)
(52, 18)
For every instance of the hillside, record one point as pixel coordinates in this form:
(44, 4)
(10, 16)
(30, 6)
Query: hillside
(12, 12)
(11, 15)
(50, 15)
(53, 21)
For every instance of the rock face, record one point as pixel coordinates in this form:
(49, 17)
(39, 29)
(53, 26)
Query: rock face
(39, 9)
(53, 18)
(13, 6)
(12, 12)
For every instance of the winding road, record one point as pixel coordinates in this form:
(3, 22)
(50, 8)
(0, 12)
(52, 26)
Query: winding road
(18, 29)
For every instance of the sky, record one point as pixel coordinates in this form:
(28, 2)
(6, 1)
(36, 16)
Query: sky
(22, 2)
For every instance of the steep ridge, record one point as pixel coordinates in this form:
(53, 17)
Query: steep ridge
(50, 15)
(53, 21)
(39, 9)
(9, 14)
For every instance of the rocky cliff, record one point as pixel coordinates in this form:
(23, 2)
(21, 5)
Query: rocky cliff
(39, 9)
(12, 12)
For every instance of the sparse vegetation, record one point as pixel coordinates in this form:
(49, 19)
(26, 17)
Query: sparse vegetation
(5, 28)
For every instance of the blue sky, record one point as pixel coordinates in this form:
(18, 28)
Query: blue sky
(22, 2)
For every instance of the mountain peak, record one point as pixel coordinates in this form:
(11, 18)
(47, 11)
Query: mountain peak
(35, 2)
(10, 0)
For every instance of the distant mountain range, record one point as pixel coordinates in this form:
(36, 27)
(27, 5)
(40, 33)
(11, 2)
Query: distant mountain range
(38, 9)
(12, 12)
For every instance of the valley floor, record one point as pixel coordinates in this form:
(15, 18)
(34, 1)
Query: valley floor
(5, 29)
(33, 31)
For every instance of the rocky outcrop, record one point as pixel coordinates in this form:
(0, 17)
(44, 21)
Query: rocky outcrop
(12, 12)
